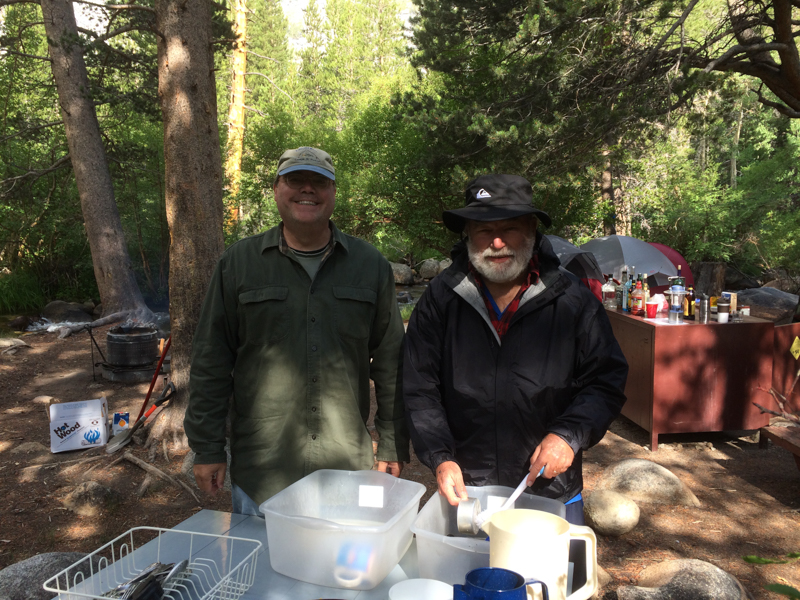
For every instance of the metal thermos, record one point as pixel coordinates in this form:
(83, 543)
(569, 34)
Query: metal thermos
(703, 309)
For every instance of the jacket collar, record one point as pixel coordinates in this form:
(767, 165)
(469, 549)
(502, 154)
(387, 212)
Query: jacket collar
(552, 281)
(272, 238)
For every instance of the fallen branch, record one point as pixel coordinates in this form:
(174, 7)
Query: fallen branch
(148, 479)
(141, 316)
(157, 472)
(785, 415)
(115, 462)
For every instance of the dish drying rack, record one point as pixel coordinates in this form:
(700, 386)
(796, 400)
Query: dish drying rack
(219, 566)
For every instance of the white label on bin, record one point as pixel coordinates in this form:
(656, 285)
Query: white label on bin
(493, 502)
(370, 495)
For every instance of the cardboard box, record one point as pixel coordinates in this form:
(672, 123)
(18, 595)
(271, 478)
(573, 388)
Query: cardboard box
(78, 425)
(120, 422)
(732, 297)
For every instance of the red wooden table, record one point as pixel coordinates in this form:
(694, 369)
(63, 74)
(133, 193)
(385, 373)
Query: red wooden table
(695, 377)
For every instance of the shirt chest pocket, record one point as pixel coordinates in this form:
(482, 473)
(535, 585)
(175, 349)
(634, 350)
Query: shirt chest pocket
(266, 314)
(355, 311)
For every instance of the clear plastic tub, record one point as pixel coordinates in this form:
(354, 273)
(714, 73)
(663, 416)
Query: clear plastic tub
(447, 555)
(343, 529)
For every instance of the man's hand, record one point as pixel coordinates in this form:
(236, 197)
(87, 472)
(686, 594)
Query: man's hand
(392, 467)
(451, 482)
(554, 454)
(210, 478)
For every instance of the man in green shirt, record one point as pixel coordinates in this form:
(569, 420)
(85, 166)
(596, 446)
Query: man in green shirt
(295, 323)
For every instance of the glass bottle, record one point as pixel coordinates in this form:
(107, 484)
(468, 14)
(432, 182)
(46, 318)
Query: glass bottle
(680, 279)
(637, 300)
(620, 288)
(609, 293)
(631, 286)
(689, 304)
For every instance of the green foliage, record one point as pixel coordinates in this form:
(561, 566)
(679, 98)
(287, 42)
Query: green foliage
(406, 310)
(778, 588)
(783, 590)
(557, 92)
(20, 291)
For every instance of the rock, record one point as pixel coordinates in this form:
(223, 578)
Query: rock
(644, 481)
(24, 580)
(20, 323)
(443, 264)
(405, 298)
(780, 279)
(688, 579)
(89, 498)
(402, 274)
(28, 448)
(603, 578)
(429, 268)
(65, 312)
(769, 303)
(187, 468)
(45, 401)
(736, 280)
(9, 342)
(98, 311)
(610, 513)
(88, 307)
(11, 345)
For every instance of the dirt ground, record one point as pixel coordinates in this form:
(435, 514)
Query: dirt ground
(750, 497)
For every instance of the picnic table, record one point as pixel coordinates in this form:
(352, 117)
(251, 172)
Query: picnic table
(787, 438)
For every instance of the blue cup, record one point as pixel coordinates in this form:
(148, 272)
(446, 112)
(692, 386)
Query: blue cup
(494, 583)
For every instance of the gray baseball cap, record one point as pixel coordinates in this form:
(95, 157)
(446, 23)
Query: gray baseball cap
(306, 158)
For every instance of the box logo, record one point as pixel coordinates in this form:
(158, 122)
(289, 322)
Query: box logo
(91, 437)
(65, 430)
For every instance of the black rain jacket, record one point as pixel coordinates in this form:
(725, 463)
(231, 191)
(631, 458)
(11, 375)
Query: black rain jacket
(488, 405)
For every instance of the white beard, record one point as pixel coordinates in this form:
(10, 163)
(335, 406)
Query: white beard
(506, 272)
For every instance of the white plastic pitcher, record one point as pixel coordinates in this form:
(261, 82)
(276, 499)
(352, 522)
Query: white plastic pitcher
(535, 544)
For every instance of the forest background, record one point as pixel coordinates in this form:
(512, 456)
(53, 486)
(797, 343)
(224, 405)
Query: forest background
(613, 110)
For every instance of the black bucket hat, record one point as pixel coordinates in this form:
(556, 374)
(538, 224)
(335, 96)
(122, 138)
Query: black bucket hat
(494, 198)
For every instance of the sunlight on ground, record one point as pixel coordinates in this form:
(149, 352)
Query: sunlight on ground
(5, 446)
(79, 531)
(78, 353)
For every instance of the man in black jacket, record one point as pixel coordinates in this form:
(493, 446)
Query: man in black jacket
(510, 363)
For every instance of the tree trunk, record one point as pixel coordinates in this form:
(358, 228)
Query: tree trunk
(233, 163)
(735, 146)
(709, 277)
(607, 195)
(622, 212)
(193, 180)
(116, 282)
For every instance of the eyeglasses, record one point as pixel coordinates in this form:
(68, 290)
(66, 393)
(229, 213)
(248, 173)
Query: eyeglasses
(299, 179)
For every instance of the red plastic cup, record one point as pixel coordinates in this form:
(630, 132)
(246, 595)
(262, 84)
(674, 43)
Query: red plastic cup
(652, 309)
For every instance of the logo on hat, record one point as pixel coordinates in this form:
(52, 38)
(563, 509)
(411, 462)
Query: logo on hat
(482, 193)
(306, 155)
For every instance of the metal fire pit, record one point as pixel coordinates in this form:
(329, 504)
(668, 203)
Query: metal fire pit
(131, 346)
(131, 354)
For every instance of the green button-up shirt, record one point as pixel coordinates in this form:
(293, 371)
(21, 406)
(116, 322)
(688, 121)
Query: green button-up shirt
(296, 356)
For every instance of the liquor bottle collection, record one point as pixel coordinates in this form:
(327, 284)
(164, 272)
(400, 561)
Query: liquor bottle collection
(632, 293)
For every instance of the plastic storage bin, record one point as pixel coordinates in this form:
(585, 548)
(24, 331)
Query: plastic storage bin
(344, 529)
(447, 555)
